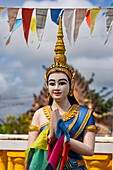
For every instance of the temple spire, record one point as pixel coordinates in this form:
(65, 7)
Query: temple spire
(60, 58)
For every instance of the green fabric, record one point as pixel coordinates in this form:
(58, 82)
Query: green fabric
(36, 153)
(39, 160)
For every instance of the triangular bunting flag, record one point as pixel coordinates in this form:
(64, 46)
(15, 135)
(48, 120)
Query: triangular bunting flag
(17, 25)
(109, 22)
(55, 14)
(33, 27)
(88, 19)
(79, 17)
(26, 19)
(93, 15)
(41, 15)
(12, 14)
(68, 17)
(109, 18)
(1, 9)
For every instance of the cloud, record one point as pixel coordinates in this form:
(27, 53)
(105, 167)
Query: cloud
(58, 3)
(3, 84)
(102, 68)
(22, 65)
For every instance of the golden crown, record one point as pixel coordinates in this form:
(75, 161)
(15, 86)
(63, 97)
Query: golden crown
(60, 59)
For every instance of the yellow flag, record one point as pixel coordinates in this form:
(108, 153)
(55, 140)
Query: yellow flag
(33, 28)
(1, 9)
(33, 25)
(93, 15)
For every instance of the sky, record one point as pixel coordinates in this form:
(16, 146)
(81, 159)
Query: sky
(21, 72)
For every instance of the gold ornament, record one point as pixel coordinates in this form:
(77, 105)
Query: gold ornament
(60, 59)
(71, 92)
(49, 95)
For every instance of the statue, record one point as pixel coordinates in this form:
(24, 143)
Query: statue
(61, 132)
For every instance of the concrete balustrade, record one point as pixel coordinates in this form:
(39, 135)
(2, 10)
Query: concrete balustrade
(12, 155)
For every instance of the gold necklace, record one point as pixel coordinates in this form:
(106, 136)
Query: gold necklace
(65, 116)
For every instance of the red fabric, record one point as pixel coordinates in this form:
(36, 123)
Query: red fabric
(65, 154)
(88, 19)
(26, 19)
(55, 153)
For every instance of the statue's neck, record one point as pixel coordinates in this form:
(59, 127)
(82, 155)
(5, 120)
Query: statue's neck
(63, 106)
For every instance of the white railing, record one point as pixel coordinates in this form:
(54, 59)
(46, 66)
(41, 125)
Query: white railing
(19, 142)
(103, 145)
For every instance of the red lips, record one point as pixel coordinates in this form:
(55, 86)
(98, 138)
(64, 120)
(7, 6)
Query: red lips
(57, 93)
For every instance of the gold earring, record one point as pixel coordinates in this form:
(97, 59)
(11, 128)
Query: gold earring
(71, 92)
(48, 94)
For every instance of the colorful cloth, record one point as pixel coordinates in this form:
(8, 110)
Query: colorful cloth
(18, 23)
(41, 15)
(93, 15)
(33, 27)
(55, 14)
(88, 19)
(68, 18)
(38, 150)
(26, 21)
(73, 164)
(79, 17)
(73, 124)
(12, 15)
(109, 22)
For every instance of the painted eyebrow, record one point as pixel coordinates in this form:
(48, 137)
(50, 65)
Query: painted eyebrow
(51, 80)
(62, 79)
(58, 80)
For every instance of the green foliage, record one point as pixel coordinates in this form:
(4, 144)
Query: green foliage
(15, 125)
(104, 103)
(91, 79)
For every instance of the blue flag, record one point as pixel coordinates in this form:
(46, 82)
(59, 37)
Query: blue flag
(55, 14)
(18, 23)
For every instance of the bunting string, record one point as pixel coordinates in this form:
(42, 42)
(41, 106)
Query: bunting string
(72, 18)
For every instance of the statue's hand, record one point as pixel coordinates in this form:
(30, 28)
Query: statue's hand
(55, 116)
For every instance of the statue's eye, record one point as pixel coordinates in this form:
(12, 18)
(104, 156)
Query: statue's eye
(62, 83)
(52, 84)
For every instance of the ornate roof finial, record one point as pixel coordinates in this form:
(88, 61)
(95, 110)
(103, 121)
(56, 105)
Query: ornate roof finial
(60, 58)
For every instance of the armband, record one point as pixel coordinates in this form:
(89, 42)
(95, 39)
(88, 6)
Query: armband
(33, 128)
(92, 128)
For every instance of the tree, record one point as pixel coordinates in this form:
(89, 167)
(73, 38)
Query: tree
(15, 125)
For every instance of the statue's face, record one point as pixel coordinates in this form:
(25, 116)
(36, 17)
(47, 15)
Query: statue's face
(58, 86)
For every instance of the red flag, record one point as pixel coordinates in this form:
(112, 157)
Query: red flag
(88, 19)
(26, 19)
